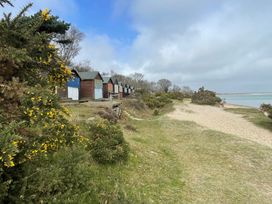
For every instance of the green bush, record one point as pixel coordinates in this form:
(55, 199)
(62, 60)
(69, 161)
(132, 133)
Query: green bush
(135, 104)
(66, 176)
(106, 142)
(156, 112)
(157, 101)
(267, 108)
(176, 95)
(205, 97)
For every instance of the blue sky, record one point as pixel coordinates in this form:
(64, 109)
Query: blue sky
(100, 16)
(224, 45)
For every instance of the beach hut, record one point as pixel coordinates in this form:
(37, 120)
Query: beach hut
(129, 89)
(132, 89)
(116, 87)
(125, 90)
(107, 87)
(73, 86)
(91, 86)
(120, 89)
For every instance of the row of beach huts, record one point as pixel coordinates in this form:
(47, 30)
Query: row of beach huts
(92, 85)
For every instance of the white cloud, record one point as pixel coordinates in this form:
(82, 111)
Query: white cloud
(204, 43)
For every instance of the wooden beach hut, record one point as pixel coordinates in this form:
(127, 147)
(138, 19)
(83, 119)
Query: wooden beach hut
(129, 89)
(72, 89)
(125, 90)
(108, 86)
(91, 86)
(116, 87)
(120, 89)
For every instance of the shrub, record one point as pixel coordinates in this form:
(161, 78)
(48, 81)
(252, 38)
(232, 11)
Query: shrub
(60, 175)
(136, 104)
(176, 95)
(156, 101)
(109, 115)
(66, 176)
(156, 112)
(267, 109)
(107, 144)
(205, 97)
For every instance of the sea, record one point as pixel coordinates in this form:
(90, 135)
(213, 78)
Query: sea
(249, 99)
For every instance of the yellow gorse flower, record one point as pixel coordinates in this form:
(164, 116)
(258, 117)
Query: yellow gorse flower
(45, 15)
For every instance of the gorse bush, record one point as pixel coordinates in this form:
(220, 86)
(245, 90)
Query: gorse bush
(58, 176)
(136, 104)
(205, 97)
(156, 101)
(106, 142)
(66, 176)
(176, 95)
(32, 122)
(156, 112)
(267, 109)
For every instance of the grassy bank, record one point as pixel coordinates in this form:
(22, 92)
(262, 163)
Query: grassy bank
(180, 162)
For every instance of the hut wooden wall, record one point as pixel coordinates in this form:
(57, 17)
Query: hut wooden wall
(87, 89)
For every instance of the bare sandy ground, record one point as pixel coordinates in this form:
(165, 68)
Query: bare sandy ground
(216, 118)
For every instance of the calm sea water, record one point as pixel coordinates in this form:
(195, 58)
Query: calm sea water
(253, 100)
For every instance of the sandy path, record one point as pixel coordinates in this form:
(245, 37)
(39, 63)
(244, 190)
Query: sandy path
(217, 119)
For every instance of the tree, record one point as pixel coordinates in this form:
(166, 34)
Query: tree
(137, 80)
(176, 88)
(84, 66)
(69, 47)
(26, 49)
(164, 84)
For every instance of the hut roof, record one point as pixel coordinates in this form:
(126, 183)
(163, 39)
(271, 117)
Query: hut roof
(107, 80)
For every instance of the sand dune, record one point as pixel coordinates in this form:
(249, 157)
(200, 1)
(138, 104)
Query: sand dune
(216, 118)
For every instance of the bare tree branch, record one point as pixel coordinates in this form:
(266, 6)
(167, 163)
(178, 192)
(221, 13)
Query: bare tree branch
(69, 44)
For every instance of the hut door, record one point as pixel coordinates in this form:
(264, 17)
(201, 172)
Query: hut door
(73, 93)
(98, 91)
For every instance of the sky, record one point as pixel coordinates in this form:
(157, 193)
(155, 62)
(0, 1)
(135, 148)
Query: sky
(224, 45)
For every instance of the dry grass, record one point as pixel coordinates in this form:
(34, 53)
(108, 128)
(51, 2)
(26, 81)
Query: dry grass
(179, 161)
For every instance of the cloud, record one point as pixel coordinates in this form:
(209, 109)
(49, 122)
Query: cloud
(224, 45)
(204, 43)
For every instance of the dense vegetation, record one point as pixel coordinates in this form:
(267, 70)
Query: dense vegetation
(205, 97)
(43, 157)
(267, 109)
(107, 144)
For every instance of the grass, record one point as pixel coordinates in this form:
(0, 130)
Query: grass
(253, 115)
(193, 165)
(180, 162)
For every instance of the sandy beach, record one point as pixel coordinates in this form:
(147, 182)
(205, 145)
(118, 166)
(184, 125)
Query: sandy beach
(218, 119)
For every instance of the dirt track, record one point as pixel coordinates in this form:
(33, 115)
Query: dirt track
(217, 119)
